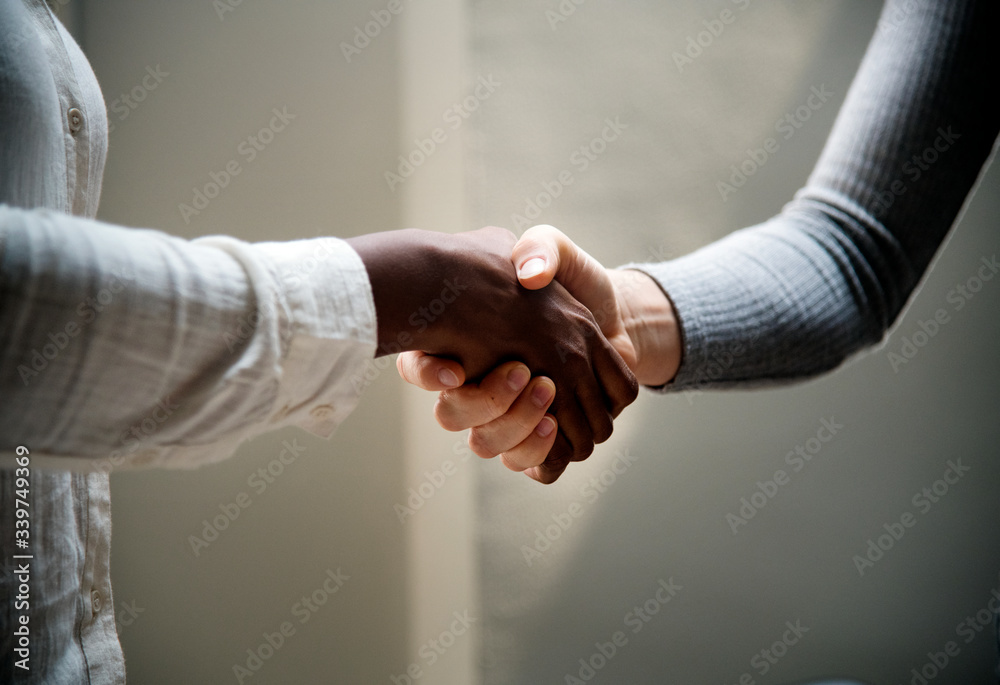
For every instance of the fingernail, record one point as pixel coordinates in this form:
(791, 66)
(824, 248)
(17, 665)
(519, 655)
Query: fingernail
(518, 378)
(541, 394)
(545, 427)
(448, 378)
(532, 267)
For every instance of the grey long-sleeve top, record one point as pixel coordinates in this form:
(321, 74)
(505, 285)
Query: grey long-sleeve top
(798, 294)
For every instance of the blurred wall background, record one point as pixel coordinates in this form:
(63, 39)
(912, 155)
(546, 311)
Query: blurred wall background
(192, 87)
(557, 587)
(557, 72)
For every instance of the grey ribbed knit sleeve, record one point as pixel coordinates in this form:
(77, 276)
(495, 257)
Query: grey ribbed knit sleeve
(798, 294)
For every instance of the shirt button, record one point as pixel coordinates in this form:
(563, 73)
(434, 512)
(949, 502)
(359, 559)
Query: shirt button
(323, 412)
(95, 601)
(75, 120)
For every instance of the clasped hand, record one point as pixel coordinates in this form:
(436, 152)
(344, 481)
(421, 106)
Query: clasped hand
(580, 337)
(490, 330)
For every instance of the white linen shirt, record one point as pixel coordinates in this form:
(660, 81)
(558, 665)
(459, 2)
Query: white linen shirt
(123, 348)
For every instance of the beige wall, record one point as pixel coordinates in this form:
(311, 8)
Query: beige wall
(651, 194)
(332, 507)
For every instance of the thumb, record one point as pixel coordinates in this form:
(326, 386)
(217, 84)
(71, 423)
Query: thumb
(536, 256)
(544, 254)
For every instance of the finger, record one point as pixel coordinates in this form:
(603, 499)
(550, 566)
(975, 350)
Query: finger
(617, 382)
(517, 424)
(555, 462)
(429, 372)
(575, 427)
(532, 450)
(473, 404)
(595, 405)
(549, 471)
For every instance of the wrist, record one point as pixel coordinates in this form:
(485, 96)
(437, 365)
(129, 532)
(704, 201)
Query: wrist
(651, 323)
(434, 292)
(402, 267)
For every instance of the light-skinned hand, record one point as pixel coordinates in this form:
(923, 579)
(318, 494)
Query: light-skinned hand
(633, 313)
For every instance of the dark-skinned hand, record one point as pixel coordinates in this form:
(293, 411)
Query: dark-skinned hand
(457, 296)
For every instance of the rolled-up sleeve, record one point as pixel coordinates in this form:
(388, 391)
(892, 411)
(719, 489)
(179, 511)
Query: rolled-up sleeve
(124, 347)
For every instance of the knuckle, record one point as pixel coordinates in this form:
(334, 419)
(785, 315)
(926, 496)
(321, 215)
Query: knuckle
(403, 367)
(505, 233)
(632, 392)
(604, 429)
(583, 450)
(523, 422)
(445, 415)
(494, 405)
(550, 471)
(511, 463)
(480, 444)
(628, 395)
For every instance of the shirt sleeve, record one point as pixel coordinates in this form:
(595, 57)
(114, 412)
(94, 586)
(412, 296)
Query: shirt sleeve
(798, 294)
(123, 347)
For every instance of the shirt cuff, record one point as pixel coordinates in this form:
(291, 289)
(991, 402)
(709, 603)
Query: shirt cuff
(332, 332)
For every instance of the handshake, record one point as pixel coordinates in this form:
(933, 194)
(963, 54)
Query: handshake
(534, 345)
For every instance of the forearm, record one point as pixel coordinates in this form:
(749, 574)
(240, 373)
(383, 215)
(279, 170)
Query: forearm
(798, 294)
(149, 349)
